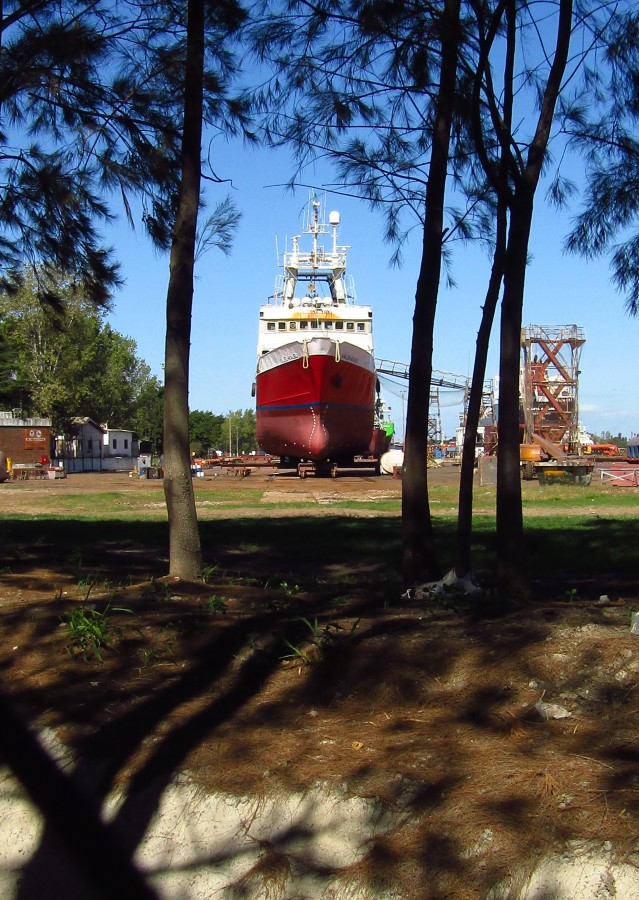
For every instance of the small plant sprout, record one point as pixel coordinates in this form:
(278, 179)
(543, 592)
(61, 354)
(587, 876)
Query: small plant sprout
(300, 654)
(289, 589)
(214, 604)
(208, 572)
(321, 638)
(89, 630)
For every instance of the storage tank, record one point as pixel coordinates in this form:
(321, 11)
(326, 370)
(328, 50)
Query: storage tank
(391, 460)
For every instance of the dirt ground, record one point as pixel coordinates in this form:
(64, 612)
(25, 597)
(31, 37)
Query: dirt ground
(499, 740)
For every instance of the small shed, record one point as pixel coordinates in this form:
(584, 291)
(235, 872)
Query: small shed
(81, 449)
(121, 449)
(91, 447)
(633, 447)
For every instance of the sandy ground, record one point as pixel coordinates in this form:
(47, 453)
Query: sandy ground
(404, 752)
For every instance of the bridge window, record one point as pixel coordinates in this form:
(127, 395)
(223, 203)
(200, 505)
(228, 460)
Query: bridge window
(270, 326)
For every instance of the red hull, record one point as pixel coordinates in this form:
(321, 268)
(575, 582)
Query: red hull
(313, 406)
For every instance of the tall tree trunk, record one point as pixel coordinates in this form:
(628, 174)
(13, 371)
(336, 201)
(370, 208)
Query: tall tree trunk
(419, 560)
(467, 470)
(465, 512)
(511, 567)
(512, 579)
(184, 539)
(488, 30)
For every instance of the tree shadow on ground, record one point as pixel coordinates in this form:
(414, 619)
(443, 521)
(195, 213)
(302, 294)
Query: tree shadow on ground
(425, 708)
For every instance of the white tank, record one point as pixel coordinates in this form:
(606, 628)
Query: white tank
(390, 460)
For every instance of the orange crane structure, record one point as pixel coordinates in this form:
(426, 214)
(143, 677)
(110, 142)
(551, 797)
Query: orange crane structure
(550, 384)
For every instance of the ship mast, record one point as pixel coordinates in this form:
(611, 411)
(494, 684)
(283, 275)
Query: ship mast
(315, 230)
(317, 263)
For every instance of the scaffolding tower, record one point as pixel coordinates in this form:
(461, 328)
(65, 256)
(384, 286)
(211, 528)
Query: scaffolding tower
(550, 382)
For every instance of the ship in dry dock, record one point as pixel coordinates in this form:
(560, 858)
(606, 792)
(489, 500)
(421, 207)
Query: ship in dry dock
(316, 383)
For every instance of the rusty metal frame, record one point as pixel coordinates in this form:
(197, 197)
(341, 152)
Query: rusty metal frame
(550, 382)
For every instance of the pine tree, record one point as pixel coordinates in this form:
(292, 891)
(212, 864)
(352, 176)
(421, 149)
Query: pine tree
(222, 19)
(79, 124)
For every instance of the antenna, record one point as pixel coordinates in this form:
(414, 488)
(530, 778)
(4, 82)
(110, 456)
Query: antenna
(333, 221)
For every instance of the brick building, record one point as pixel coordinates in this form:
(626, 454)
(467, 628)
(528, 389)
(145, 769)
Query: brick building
(25, 441)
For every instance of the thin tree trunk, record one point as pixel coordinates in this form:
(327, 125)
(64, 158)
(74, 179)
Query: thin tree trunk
(419, 560)
(465, 512)
(467, 470)
(185, 550)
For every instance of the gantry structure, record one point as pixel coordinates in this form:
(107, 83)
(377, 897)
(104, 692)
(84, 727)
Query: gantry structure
(439, 381)
(550, 383)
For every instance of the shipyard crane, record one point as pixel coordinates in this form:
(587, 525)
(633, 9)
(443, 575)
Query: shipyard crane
(549, 407)
(439, 381)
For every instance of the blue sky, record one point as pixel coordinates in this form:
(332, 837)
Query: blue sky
(560, 290)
